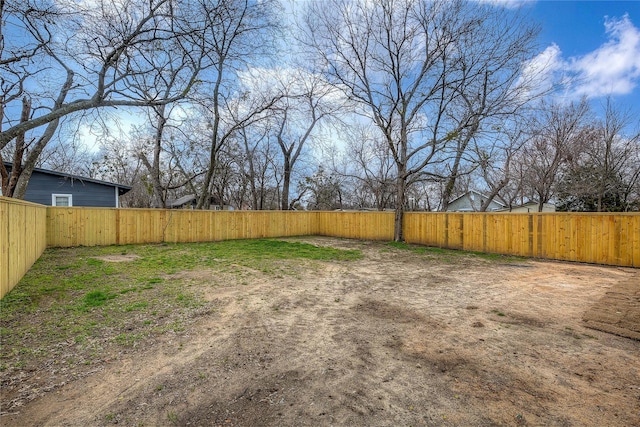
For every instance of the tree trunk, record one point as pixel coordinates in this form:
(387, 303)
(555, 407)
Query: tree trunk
(451, 181)
(157, 200)
(158, 191)
(9, 182)
(286, 180)
(401, 184)
(252, 183)
(20, 189)
(460, 150)
(494, 192)
(448, 191)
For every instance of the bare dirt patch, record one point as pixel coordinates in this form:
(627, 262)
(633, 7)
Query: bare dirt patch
(397, 338)
(618, 311)
(118, 258)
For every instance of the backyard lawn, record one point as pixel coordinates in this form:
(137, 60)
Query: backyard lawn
(311, 331)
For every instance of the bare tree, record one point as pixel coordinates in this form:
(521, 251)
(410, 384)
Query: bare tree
(160, 117)
(306, 102)
(259, 166)
(604, 175)
(615, 157)
(496, 160)
(237, 30)
(69, 156)
(324, 189)
(370, 167)
(116, 162)
(98, 54)
(557, 132)
(427, 73)
(157, 148)
(156, 144)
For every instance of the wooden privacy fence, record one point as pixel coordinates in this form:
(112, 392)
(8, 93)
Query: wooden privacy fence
(26, 228)
(612, 239)
(23, 238)
(100, 226)
(356, 225)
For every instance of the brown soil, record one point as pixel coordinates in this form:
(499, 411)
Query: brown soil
(394, 339)
(118, 258)
(618, 311)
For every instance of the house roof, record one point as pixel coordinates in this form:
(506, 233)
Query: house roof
(190, 198)
(122, 189)
(182, 200)
(479, 194)
(533, 203)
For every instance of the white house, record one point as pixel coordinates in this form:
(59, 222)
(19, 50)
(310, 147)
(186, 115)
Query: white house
(531, 207)
(472, 201)
(190, 200)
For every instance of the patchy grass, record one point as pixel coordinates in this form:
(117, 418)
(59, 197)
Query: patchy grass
(74, 308)
(454, 255)
(96, 299)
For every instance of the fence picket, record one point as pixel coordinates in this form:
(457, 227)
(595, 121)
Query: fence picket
(603, 238)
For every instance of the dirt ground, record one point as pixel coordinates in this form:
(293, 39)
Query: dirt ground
(394, 339)
(618, 311)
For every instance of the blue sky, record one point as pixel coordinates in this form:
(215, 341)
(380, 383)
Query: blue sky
(578, 26)
(597, 43)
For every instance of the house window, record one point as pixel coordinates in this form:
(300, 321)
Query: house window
(61, 200)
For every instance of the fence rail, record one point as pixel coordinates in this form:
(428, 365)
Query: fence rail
(22, 239)
(110, 226)
(612, 239)
(26, 228)
(356, 225)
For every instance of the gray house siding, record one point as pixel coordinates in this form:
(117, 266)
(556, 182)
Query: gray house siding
(84, 191)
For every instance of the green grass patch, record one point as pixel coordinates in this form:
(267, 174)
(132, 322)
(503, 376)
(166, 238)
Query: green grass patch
(452, 254)
(279, 249)
(73, 301)
(128, 339)
(251, 253)
(96, 299)
(139, 305)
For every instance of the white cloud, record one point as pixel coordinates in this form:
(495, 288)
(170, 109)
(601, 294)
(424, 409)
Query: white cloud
(613, 68)
(508, 4)
(543, 72)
